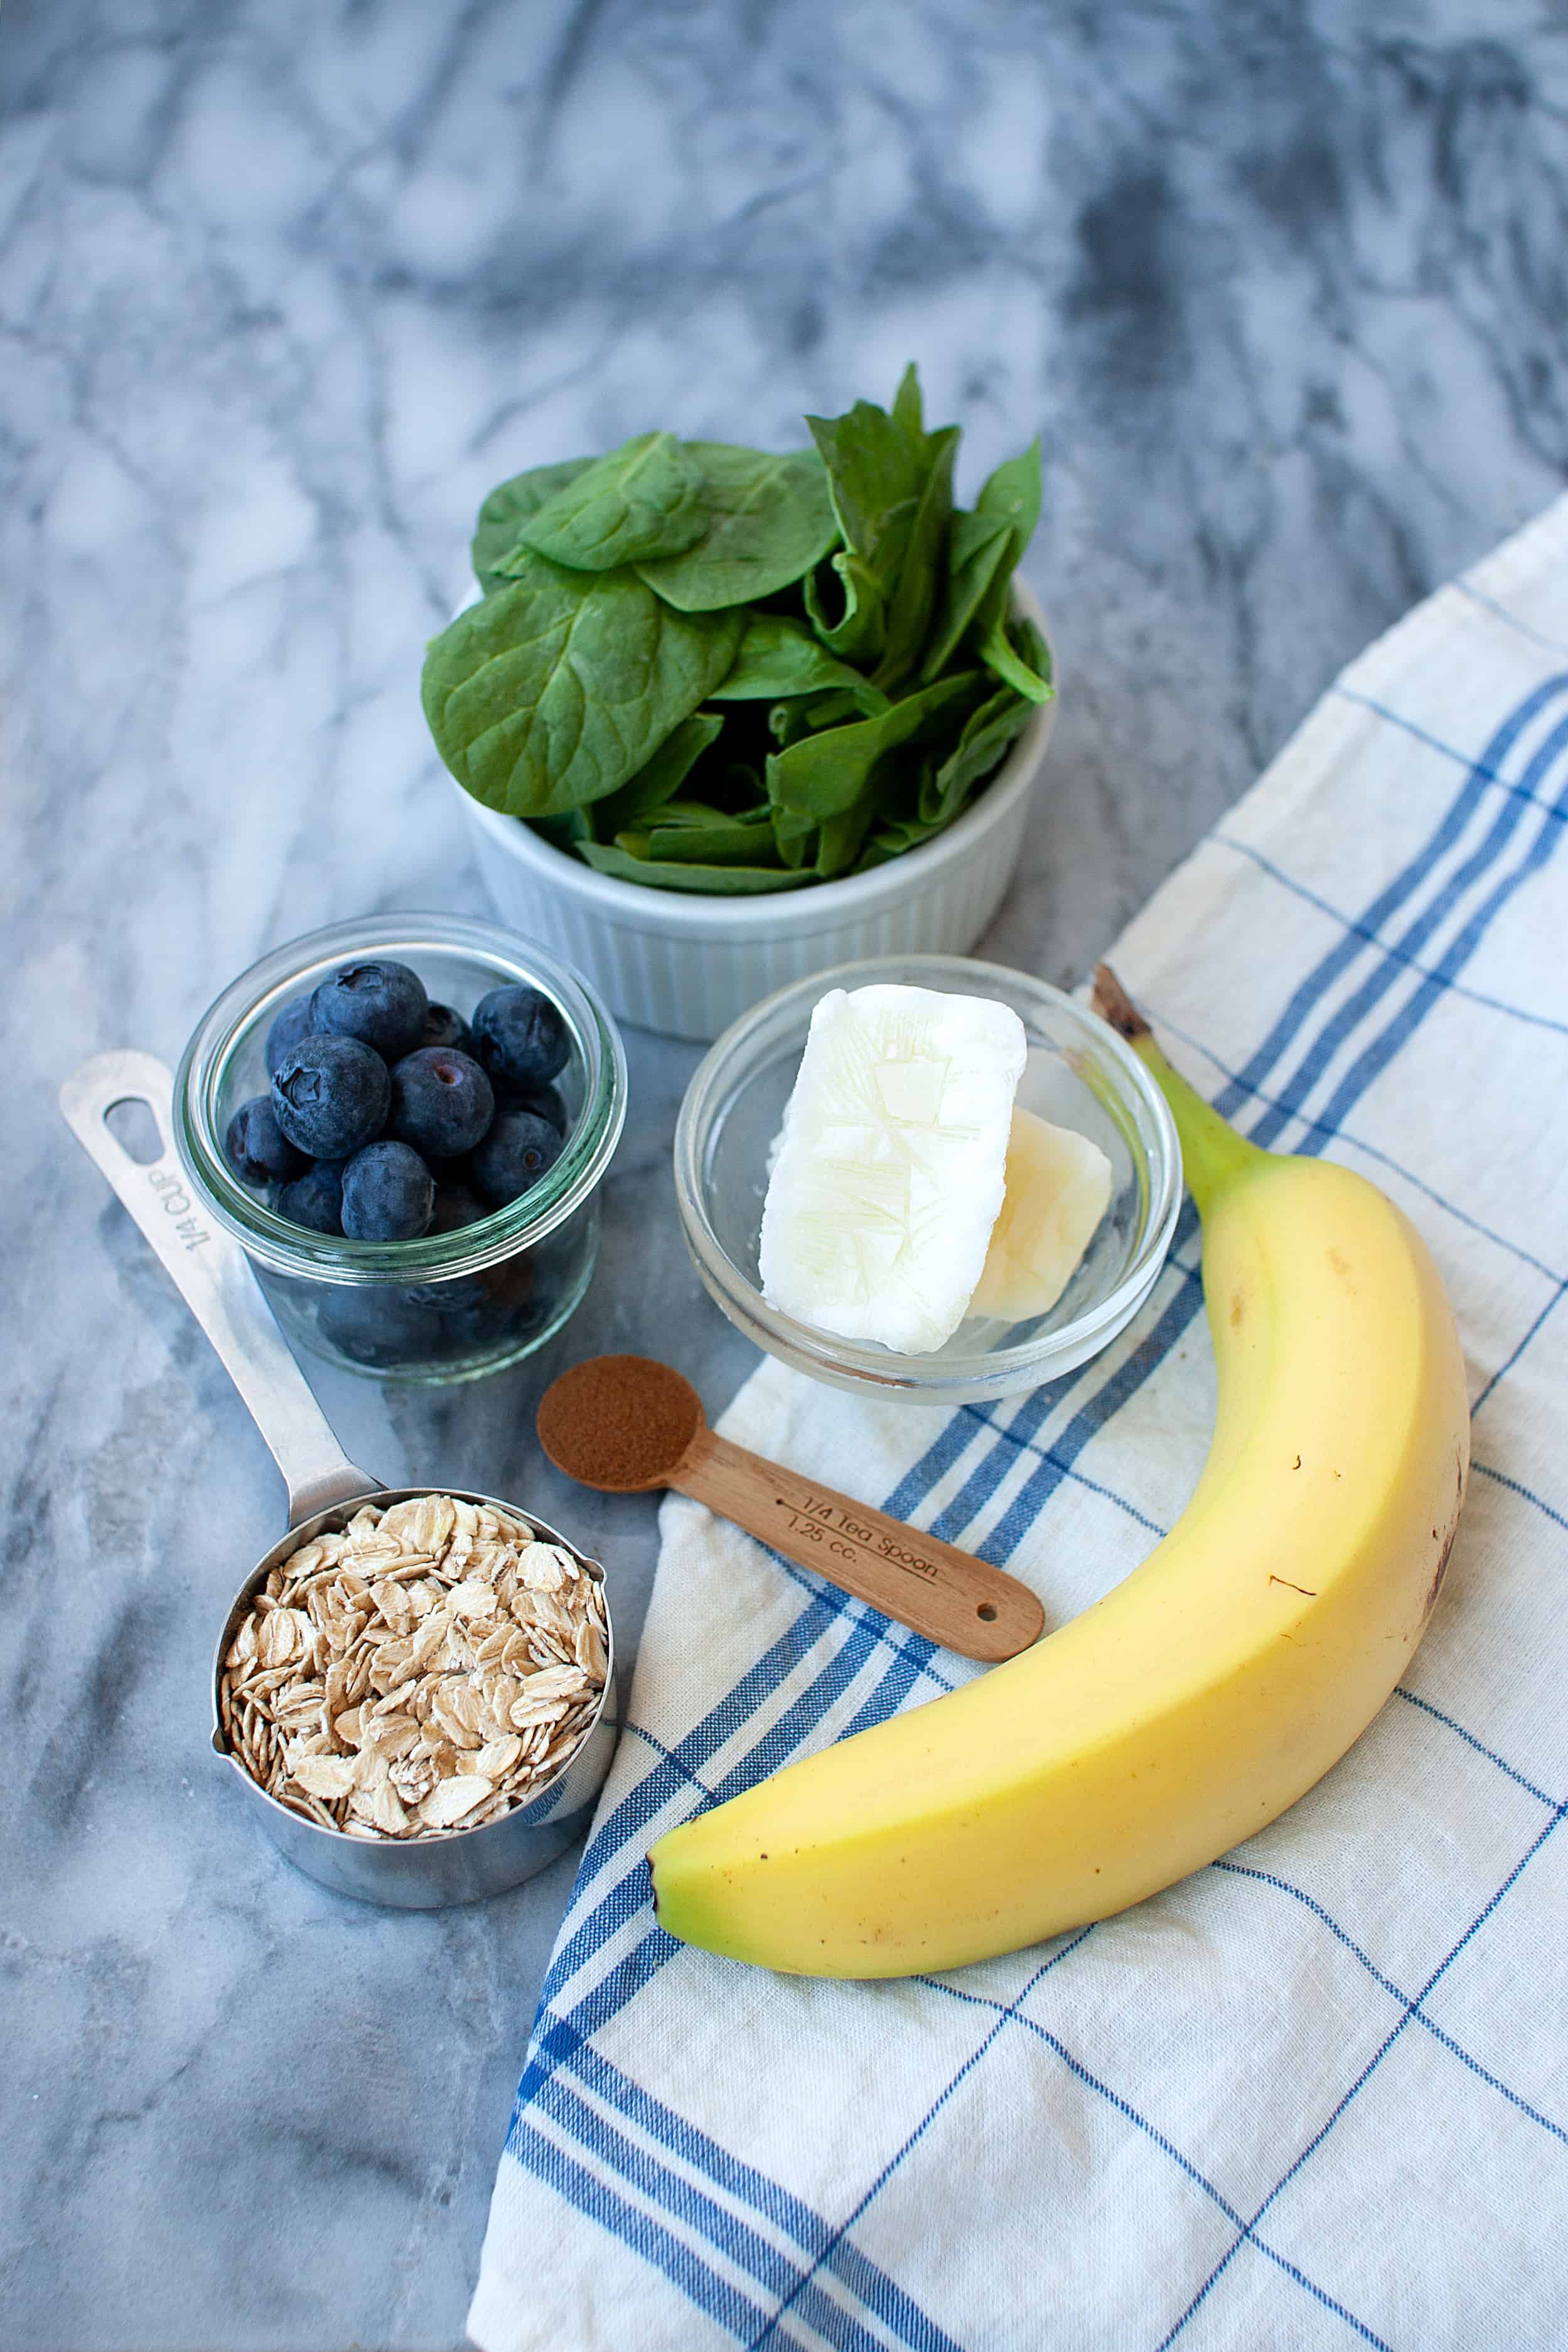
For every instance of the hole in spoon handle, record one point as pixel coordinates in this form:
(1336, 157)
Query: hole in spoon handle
(948, 1595)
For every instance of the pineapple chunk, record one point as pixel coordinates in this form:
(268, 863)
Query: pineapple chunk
(1058, 1188)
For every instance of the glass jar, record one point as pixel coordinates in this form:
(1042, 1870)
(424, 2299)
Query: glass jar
(452, 1306)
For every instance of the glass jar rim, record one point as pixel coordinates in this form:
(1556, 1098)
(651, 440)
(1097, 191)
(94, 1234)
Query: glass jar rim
(843, 1362)
(260, 992)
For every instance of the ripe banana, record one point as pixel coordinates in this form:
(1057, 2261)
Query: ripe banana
(1206, 1693)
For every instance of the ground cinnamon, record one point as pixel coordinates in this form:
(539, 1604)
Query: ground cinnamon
(619, 1422)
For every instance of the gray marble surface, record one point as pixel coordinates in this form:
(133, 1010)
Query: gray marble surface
(283, 289)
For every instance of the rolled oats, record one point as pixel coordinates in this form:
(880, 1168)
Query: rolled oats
(426, 1668)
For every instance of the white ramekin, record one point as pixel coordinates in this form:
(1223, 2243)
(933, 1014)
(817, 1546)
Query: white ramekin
(688, 965)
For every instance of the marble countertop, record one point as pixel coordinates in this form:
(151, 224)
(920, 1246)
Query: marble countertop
(283, 289)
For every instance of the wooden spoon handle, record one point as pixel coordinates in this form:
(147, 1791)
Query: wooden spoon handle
(944, 1593)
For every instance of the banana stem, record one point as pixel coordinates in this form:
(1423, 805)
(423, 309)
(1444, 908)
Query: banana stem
(1212, 1154)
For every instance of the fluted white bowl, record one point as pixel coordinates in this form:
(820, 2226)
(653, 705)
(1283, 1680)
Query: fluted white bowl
(688, 965)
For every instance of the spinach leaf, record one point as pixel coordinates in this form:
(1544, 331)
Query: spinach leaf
(914, 596)
(976, 545)
(876, 472)
(908, 411)
(946, 786)
(683, 812)
(668, 873)
(1028, 671)
(833, 774)
(660, 778)
(1014, 492)
(779, 657)
(705, 837)
(645, 499)
(860, 631)
(892, 839)
(565, 832)
(788, 721)
(507, 508)
(796, 842)
(825, 772)
(556, 690)
(832, 709)
(841, 838)
(1033, 647)
(1013, 495)
(988, 732)
(879, 469)
(768, 520)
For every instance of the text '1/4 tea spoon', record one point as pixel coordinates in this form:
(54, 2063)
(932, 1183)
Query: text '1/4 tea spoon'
(626, 1423)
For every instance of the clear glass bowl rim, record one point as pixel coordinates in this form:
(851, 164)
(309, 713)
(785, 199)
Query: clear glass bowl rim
(286, 1248)
(878, 1368)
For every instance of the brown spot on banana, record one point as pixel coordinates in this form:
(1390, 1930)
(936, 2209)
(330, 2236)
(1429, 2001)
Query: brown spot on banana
(1436, 1584)
(1448, 1541)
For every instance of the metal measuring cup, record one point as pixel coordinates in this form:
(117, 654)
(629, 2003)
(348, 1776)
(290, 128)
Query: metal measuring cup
(325, 1489)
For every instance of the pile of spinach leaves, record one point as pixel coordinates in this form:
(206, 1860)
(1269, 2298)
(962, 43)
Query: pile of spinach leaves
(711, 668)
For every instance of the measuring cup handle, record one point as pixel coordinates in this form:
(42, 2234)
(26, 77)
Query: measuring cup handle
(213, 1275)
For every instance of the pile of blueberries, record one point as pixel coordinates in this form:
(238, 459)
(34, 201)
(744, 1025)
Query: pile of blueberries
(390, 1117)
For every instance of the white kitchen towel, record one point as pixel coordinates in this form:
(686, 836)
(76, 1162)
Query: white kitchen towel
(1317, 2093)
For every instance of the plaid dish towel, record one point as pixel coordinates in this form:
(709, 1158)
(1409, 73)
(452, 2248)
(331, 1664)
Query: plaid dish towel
(1318, 2093)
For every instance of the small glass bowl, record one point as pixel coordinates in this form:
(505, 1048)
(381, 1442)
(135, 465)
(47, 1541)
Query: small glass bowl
(1079, 1073)
(449, 1306)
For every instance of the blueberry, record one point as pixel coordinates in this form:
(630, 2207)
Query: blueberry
(296, 1020)
(389, 1194)
(441, 1102)
(440, 1298)
(520, 1037)
(314, 1199)
(331, 1096)
(444, 1027)
(375, 1326)
(544, 1100)
(518, 1150)
(512, 1286)
(382, 1004)
(456, 1206)
(481, 1322)
(256, 1147)
(498, 1303)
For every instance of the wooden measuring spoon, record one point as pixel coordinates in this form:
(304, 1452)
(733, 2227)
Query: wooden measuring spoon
(626, 1424)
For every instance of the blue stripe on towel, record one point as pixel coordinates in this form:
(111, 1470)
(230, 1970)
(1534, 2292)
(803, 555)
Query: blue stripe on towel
(1395, 893)
(723, 2302)
(1346, 923)
(1350, 1017)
